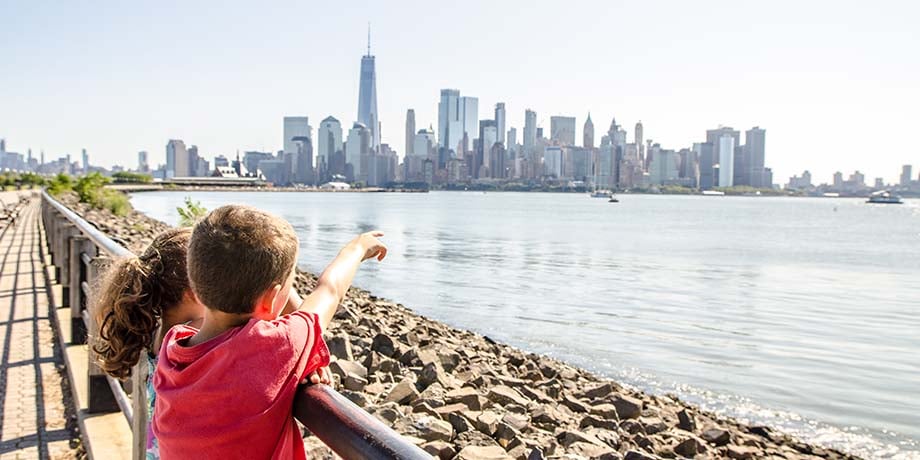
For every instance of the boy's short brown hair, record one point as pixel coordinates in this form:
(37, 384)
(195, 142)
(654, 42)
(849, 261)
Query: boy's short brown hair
(236, 253)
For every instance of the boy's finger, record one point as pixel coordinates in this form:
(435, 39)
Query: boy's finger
(382, 253)
(377, 234)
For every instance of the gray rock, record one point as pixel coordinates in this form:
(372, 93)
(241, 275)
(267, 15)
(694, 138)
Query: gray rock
(487, 422)
(574, 403)
(482, 453)
(627, 407)
(716, 435)
(432, 373)
(503, 395)
(403, 392)
(607, 411)
(599, 391)
(639, 455)
(690, 447)
(519, 422)
(354, 383)
(592, 421)
(384, 345)
(569, 437)
(434, 429)
(685, 421)
(343, 367)
(460, 423)
(653, 424)
(439, 449)
(340, 347)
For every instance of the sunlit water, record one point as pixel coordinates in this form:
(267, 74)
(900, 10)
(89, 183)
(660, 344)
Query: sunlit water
(795, 312)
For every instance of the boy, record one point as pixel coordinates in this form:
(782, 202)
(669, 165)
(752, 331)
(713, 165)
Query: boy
(226, 390)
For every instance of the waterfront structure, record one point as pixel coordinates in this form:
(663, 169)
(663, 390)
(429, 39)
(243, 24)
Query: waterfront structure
(530, 133)
(295, 127)
(410, 131)
(367, 96)
(176, 159)
(588, 133)
(142, 164)
(726, 160)
(500, 117)
(906, 174)
(562, 130)
(450, 131)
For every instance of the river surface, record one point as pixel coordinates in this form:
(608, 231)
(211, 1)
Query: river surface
(800, 313)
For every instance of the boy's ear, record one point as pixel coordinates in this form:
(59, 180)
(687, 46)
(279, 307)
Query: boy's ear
(265, 303)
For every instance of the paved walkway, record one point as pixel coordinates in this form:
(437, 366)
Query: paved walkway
(33, 412)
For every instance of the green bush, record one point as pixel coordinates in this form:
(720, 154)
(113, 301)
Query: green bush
(125, 177)
(191, 213)
(60, 183)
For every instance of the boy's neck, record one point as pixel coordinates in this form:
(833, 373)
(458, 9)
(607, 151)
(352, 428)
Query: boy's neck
(217, 322)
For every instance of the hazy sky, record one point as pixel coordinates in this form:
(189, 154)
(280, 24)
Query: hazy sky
(836, 84)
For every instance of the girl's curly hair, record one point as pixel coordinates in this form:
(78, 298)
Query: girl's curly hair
(132, 296)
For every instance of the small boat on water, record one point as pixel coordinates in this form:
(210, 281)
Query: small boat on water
(613, 199)
(601, 194)
(884, 197)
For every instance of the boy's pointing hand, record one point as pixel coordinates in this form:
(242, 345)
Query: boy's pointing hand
(371, 246)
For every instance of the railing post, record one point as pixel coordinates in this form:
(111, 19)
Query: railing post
(68, 232)
(139, 405)
(99, 392)
(76, 276)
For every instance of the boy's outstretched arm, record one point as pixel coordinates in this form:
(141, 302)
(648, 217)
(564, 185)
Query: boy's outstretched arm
(333, 284)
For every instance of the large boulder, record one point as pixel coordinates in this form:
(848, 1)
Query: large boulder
(403, 392)
(627, 406)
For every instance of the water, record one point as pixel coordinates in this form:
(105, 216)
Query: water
(795, 312)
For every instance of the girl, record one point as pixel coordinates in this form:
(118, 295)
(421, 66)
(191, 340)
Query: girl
(139, 300)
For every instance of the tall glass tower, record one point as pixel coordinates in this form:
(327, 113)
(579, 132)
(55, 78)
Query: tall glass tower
(367, 96)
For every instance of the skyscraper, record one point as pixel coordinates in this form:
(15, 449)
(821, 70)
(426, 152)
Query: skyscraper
(500, 121)
(295, 127)
(85, 159)
(906, 175)
(639, 142)
(330, 139)
(588, 136)
(356, 149)
(410, 132)
(450, 130)
(176, 159)
(488, 136)
(755, 169)
(726, 160)
(530, 132)
(469, 117)
(562, 130)
(142, 165)
(367, 96)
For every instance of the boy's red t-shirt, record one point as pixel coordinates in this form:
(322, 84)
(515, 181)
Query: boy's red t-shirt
(232, 396)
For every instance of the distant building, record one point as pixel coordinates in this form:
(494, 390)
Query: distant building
(802, 182)
(367, 97)
(450, 126)
(302, 167)
(588, 134)
(838, 180)
(488, 136)
(639, 145)
(726, 160)
(176, 159)
(664, 168)
(500, 117)
(85, 162)
(906, 173)
(357, 148)
(410, 131)
(530, 133)
(552, 162)
(469, 118)
(143, 166)
(755, 171)
(562, 130)
(295, 127)
(329, 141)
(252, 161)
(221, 161)
(512, 142)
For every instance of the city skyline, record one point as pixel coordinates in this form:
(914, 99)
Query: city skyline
(808, 107)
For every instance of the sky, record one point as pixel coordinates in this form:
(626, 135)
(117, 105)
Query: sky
(836, 84)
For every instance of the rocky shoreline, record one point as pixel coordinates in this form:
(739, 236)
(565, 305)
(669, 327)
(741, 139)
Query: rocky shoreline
(460, 395)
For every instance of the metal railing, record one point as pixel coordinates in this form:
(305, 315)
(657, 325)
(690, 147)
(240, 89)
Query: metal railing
(80, 252)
